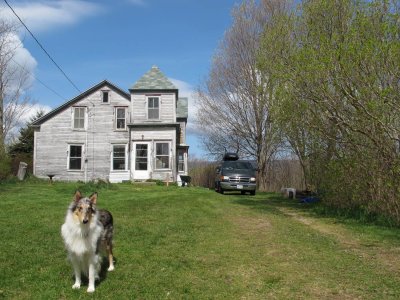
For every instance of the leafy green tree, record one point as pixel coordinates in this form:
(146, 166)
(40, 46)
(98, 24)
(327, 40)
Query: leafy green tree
(337, 69)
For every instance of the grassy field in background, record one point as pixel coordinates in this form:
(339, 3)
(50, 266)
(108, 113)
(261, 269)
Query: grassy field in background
(192, 243)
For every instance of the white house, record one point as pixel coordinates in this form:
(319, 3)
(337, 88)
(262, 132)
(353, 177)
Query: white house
(110, 134)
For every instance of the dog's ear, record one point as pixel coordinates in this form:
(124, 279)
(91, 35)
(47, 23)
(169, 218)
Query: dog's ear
(93, 197)
(77, 196)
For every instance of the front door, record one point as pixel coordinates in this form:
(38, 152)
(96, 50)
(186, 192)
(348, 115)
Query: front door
(141, 160)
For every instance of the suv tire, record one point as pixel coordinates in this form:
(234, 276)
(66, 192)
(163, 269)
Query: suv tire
(220, 189)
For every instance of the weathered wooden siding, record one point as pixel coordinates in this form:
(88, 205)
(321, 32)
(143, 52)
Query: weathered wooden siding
(56, 134)
(182, 133)
(139, 108)
(157, 135)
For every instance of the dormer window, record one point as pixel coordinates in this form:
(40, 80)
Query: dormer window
(153, 104)
(106, 97)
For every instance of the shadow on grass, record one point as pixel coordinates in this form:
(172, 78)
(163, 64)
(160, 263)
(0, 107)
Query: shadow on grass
(275, 203)
(102, 274)
(104, 269)
(271, 202)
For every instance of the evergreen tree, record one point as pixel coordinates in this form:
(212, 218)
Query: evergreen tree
(26, 136)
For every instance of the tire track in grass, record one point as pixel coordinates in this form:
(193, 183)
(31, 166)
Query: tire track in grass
(283, 259)
(373, 251)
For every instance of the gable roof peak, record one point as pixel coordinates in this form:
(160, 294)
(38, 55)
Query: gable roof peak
(154, 79)
(81, 96)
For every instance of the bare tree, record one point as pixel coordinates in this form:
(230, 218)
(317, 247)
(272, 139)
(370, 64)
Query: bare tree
(14, 81)
(233, 105)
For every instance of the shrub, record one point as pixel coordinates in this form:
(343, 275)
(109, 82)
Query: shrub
(5, 166)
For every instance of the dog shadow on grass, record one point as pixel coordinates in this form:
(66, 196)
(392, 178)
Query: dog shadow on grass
(104, 270)
(102, 274)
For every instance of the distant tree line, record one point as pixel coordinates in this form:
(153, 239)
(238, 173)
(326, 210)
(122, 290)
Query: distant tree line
(319, 78)
(285, 172)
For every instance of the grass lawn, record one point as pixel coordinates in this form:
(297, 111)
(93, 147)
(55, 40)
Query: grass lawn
(192, 243)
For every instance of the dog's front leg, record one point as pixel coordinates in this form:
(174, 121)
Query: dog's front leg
(92, 276)
(77, 271)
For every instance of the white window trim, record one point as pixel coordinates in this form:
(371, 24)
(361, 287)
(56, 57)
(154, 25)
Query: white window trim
(85, 122)
(148, 156)
(159, 107)
(184, 161)
(82, 157)
(112, 158)
(169, 156)
(116, 115)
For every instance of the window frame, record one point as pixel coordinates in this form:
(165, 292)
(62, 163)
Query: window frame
(137, 163)
(152, 108)
(103, 92)
(125, 157)
(181, 162)
(156, 155)
(116, 117)
(74, 109)
(82, 157)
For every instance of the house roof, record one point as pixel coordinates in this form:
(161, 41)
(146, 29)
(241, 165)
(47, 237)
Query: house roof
(153, 80)
(182, 108)
(67, 104)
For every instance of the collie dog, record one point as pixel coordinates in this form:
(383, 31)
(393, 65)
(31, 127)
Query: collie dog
(86, 231)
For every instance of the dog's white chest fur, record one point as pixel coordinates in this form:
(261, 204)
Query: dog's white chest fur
(80, 239)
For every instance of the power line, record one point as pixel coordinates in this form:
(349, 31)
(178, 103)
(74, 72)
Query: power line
(40, 45)
(41, 82)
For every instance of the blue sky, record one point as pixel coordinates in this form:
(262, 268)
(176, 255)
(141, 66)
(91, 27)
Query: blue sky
(119, 41)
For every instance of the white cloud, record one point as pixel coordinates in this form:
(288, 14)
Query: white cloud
(23, 57)
(32, 111)
(28, 114)
(40, 16)
(45, 15)
(187, 90)
(22, 62)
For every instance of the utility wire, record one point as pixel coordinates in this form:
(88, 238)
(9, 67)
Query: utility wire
(40, 45)
(41, 82)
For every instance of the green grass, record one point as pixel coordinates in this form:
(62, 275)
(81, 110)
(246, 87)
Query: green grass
(192, 243)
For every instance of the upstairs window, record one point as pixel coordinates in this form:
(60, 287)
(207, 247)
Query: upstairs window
(153, 108)
(79, 117)
(120, 118)
(106, 98)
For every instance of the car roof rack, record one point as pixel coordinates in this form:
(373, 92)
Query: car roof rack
(231, 156)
